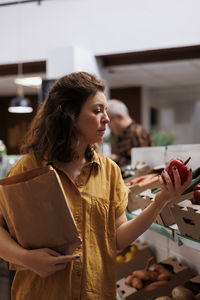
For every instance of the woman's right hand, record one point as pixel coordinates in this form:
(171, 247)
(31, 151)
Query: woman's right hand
(45, 261)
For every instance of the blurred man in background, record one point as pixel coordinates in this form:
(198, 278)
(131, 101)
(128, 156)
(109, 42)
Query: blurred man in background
(125, 133)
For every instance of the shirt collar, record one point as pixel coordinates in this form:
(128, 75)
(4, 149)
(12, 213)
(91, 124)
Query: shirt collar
(94, 161)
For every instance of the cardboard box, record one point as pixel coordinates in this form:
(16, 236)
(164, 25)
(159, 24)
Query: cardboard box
(193, 284)
(165, 217)
(180, 276)
(143, 252)
(182, 198)
(135, 191)
(187, 218)
(142, 200)
(140, 170)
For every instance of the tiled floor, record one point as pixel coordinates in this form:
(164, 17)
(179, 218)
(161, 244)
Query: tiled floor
(4, 281)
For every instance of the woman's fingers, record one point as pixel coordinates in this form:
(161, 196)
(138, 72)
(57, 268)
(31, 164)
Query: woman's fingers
(189, 180)
(46, 261)
(63, 259)
(59, 258)
(163, 186)
(51, 252)
(177, 178)
(170, 190)
(175, 187)
(168, 182)
(60, 263)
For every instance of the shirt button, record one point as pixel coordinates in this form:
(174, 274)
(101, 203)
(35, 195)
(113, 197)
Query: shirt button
(78, 220)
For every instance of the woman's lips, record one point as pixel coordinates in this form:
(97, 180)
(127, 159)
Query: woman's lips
(102, 131)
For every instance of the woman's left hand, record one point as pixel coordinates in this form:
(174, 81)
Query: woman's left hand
(169, 191)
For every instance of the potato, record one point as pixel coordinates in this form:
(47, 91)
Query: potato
(181, 293)
(128, 280)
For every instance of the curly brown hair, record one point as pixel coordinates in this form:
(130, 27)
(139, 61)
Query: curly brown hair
(53, 134)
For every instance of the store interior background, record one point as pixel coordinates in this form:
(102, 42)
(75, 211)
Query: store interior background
(57, 37)
(76, 35)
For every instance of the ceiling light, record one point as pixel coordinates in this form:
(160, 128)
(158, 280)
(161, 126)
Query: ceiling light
(29, 81)
(20, 104)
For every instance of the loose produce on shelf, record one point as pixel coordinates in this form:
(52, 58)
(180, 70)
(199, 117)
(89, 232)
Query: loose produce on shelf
(127, 171)
(136, 170)
(180, 293)
(195, 181)
(190, 188)
(148, 278)
(126, 255)
(196, 196)
(181, 167)
(144, 180)
(150, 178)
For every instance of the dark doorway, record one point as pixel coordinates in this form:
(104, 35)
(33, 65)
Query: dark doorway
(131, 96)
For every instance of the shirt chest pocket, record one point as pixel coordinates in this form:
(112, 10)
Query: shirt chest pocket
(102, 217)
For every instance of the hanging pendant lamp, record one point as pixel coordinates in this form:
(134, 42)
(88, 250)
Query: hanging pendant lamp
(20, 104)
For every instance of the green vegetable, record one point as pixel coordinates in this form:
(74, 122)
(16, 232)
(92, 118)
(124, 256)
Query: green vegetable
(156, 190)
(195, 181)
(195, 172)
(190, 188)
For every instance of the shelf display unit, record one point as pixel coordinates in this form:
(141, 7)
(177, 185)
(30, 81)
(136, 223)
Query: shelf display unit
(169, 237)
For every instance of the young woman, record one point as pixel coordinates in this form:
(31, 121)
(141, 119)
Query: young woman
(71, 120)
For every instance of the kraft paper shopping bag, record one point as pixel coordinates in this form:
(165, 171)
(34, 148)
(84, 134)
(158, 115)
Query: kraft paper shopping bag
(36, 211)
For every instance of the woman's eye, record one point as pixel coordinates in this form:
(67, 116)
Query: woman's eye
(97, 111)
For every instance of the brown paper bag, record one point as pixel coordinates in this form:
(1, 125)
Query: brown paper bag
(36, 212)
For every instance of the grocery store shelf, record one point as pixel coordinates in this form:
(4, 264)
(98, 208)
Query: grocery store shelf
(169, 232)
(187, 241)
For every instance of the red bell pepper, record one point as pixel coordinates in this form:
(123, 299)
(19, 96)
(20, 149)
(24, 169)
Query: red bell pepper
(181, 167)
(197, 187)
(196, 197)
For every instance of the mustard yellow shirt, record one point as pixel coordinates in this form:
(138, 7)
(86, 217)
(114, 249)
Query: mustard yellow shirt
(96, 199)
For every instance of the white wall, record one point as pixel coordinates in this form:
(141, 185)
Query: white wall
(61, 61)
(29, 31)
(178, 109)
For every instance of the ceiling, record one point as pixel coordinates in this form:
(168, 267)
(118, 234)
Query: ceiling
(160, 74)
(151, 75)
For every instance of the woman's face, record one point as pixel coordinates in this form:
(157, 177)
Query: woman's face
(93, 118)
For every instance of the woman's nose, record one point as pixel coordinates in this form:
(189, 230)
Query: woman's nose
(106, 118)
